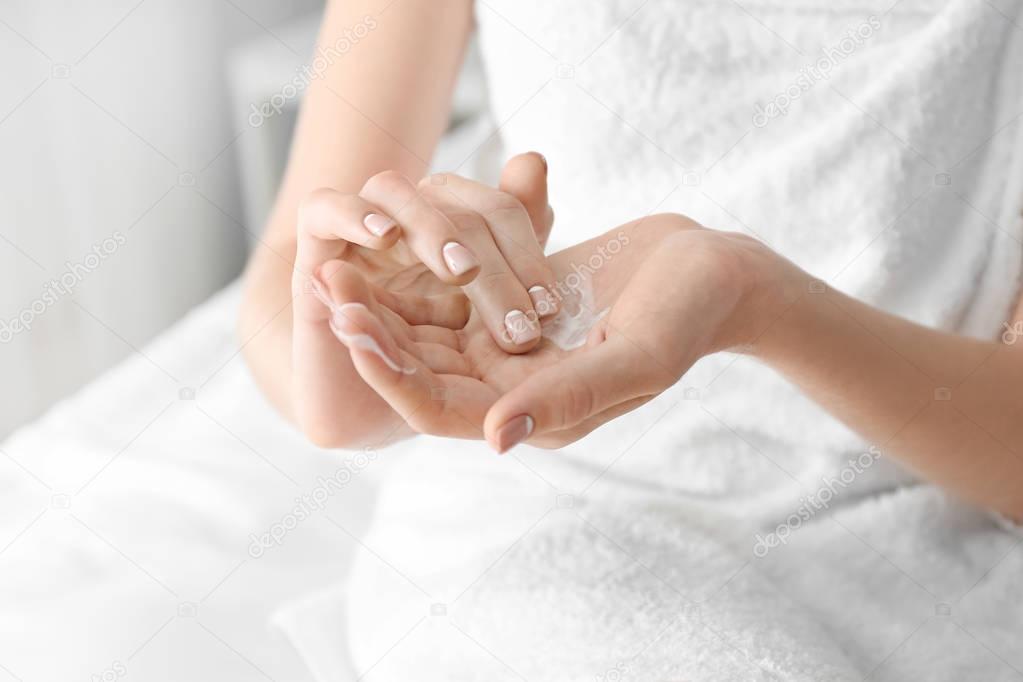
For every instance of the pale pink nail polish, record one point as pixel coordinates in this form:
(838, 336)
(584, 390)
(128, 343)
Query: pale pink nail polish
(378, 224)
(520, 328)
(513, 432)
(543, 302)
(459, 259)
(543, 160)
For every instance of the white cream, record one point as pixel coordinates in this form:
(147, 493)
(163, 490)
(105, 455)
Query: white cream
(366, 342)
(363, 341)
(569, 328)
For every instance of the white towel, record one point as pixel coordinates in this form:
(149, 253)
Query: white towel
(729, 530)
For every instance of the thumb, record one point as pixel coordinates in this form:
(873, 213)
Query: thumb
(584, 384)
(525, 178)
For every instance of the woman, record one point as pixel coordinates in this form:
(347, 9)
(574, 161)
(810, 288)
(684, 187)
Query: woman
(876, 164)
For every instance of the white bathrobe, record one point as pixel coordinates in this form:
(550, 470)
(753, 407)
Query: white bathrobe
(730, 529)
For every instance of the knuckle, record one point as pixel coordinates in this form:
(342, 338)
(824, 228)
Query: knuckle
(496, 282)
(433, 180)
(315, 206)
(668, 223)
(386, 182)
(502, 205)
(532, 269)
(467, 221)
(318, 197)
(506, 200)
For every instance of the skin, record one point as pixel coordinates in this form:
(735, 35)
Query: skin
(882, 375)
(358, 150)
(876, 372)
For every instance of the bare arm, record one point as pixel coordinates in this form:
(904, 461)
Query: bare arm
(948, 406)
(382, 105)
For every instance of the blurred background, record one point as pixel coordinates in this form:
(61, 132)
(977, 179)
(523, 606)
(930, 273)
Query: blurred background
(142, 143)
(134, 171)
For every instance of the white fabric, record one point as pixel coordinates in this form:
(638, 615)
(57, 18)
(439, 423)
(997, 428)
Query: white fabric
(896, 179)
(631, 555)
(126, 517)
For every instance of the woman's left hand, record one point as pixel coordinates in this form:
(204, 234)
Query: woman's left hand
(673, 290)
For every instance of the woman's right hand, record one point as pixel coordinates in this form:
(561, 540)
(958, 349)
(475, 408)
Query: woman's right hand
(439, 248)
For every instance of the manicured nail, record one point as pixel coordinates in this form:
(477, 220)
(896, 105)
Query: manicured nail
(361, 335)
(320, 291)
(543, 160)
(459, 259)
(520, 328)
(543, 302)
(514, 431)
(378, 224)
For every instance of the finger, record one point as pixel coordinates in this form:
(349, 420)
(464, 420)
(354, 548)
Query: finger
(439, 357)
(427, 231)
(442, 401)
(559, 439)
(438, 348)
(497, 294)
(525, 178)
(446, 310)
(583, 385)
(346, 296)
(328, 217)
(398, 327)
(511, 231)
(428, 401)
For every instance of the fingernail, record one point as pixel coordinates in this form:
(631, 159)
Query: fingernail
(378, 224)
(520, 328)
(320, 291)
(459, 259)
(543, 302)
(343, 322)
(543, 160)
(514, 431)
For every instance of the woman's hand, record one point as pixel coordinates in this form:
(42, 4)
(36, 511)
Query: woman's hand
(673, 292)
(421, 247)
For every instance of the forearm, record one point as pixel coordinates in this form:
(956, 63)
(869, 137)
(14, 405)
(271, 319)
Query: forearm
(382, 105)
(947, 406)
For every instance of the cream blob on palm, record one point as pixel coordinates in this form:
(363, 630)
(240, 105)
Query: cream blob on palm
(569, 328)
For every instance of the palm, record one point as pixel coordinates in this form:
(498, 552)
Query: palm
(397, 270)
(482, 372)
(670, 288)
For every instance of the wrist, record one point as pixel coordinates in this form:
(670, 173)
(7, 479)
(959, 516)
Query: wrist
(798, 311)
(766, 288)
